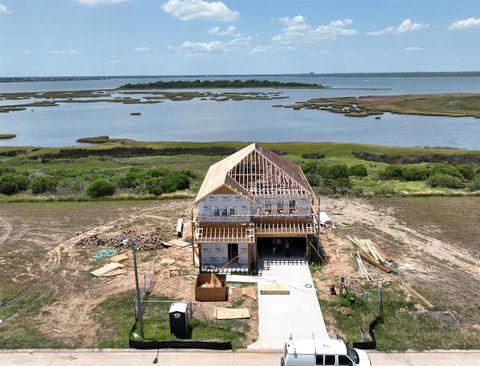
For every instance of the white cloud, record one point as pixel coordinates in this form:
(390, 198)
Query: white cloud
(100, 2)
(201, 46)
(296, 29)
(465, 24)
(219, 32)
(69, 51)
(406, 26)
(26, 52)
(236, 44)
(4, 9)
(198, 9)
(413, 49)
(258, 49)
(141, 49)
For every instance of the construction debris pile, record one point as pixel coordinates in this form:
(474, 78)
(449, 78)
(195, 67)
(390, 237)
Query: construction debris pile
(374, 254)
(144, 239)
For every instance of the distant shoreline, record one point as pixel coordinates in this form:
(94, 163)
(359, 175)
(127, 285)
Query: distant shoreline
(307, 75)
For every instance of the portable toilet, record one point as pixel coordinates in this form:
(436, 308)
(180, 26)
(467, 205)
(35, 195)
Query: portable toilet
(178, 319)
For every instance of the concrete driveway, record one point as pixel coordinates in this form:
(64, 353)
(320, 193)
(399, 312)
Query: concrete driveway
(297, 314)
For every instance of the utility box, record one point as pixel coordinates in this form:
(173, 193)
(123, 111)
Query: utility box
(179, 319)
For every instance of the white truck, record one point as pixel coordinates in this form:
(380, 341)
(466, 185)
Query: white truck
(323, 352)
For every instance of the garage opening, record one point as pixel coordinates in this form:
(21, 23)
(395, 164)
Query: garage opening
(282, 248)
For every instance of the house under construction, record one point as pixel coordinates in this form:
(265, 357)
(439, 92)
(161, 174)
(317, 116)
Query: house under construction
(254, 205)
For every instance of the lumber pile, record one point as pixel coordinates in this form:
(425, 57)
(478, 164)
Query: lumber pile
(144, 239)
(372, 253)
(230, 313)
(274, 289)
(109, 270)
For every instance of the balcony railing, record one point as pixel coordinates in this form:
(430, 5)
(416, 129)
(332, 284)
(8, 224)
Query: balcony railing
(285, 228)
(225, 234)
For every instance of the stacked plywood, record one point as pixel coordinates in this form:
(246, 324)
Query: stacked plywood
(108, 270)
(230, 313)
(274, 289)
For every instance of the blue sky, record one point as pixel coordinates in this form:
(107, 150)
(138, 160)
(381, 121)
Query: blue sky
(138, 37)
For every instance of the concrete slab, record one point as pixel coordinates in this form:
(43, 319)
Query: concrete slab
(297, 314)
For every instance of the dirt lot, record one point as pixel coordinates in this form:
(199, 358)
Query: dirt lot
(434, 242)
(47, 294)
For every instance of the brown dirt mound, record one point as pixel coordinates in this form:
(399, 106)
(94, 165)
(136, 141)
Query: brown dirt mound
(143, 238)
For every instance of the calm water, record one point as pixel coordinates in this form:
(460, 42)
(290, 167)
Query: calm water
(244, 120)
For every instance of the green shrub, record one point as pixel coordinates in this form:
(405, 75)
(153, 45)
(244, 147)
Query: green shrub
(8, 185)
(43, 184)
(313, 179)
(100, 188)
(22, 182)
(467, 171)
(358, 170)
(154, 186)
(333, 171)
(408, 173)
(415, 172)
(309, 167)
(134, 178)
(447, 170)
(445, 180)
(174, 182)
(475, 184)
(391, 172)
(12, 183)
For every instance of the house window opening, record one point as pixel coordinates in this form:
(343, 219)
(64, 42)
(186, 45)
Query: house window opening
(280, 208)
(292, 206)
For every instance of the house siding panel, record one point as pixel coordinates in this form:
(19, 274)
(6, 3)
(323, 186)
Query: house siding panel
(224, 201)
(216, 254)
(243, 254)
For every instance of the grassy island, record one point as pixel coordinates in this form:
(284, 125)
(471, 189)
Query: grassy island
(449, 105)
(220, 84)
(6, 136)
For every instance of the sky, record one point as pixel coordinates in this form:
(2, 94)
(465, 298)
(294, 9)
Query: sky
(191, 37)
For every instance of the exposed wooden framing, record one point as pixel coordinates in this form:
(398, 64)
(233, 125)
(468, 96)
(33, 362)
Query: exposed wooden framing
(269, 181)
(225, 234)
(256, 173)
(255, 252)
(285, 228)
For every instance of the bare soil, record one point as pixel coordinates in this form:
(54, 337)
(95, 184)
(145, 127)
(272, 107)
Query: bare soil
(45, 280)
(434, 243)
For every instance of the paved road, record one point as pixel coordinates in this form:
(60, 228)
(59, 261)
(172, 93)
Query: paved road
(280, 316)
(144, 358)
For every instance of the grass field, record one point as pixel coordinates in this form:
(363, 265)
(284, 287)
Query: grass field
(76, 166)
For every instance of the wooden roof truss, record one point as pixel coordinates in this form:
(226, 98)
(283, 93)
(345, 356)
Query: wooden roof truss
(262, 178)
